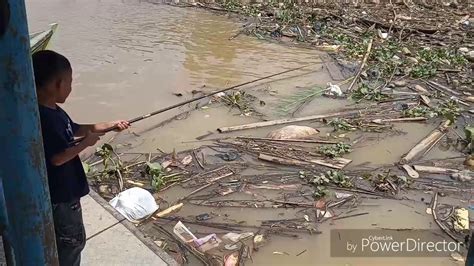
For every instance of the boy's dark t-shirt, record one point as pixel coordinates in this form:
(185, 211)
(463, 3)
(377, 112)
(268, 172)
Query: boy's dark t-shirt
(68, 181)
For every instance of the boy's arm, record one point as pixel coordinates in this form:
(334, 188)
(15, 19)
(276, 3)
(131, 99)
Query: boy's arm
(69, 153)
(101, 127)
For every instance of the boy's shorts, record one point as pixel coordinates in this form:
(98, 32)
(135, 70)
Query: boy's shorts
(70, 232)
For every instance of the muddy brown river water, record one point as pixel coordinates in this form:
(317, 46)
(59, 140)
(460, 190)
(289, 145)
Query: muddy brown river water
(129, 57)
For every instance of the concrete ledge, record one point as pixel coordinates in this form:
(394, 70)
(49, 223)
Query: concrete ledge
(132, 228)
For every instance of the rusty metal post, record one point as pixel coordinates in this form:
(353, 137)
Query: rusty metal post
(30, 227)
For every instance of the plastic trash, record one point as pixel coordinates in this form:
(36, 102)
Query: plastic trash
(231, 260)
(231, 247)
(183, 233)
(203, 217)
(135, 204)
(463, 176)
(333, 90)
(461, 222)
(234, 237)
(341, 195)
(207, 243)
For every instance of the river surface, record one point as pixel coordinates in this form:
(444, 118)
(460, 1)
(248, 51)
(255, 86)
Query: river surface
(131, 57)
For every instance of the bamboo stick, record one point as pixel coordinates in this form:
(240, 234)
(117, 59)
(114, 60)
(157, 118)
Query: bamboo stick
(273, 159)
(362, 65)
(211, 182)
(403, 119)
(433, 144)
(425, 143)
(291, 140)
(420, 89)
(162, 213)
(425, 100)
(410, 171)
(443, 88)
(285, 121)
(339, 162)
(434, 170)
(168, 211)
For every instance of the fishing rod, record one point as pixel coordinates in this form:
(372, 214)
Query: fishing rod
(139, 118)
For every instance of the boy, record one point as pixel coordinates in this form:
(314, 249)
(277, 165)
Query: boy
(66, 177)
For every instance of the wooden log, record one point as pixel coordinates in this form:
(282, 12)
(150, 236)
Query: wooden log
(285, 161)
(434, 170)
(470, 99)
(286, 121)
(403, 119)
(425, 100)
(162, 214)
(420, 89)
(135, 183)
(395, 92)
(336, 163)
(169, 210)
(410, 171)
(425, 143)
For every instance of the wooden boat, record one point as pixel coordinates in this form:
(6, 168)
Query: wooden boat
(40, 40)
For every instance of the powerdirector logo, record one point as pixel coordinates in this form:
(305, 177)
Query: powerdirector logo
(391, 243)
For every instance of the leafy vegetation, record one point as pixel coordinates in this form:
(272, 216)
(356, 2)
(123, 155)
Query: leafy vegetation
(110, 165)
(155, 171)
(320, 191)
(335, 150)
(341, 124)
(241, 100)
(300, 98)
(364, 92)
(332, 176)
(352, 48)
(158, 176)
(431, 59)
(321, 181)
(449, 110)
(417, 111)
(230, 5)
(387, 182)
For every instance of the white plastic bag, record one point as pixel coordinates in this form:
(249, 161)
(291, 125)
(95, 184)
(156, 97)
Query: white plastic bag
(333, 90)
(135, 204)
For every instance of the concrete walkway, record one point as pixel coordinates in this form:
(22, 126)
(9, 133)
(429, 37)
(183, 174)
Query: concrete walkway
(111, 242)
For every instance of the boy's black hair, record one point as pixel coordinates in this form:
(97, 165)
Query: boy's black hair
(48, 65)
